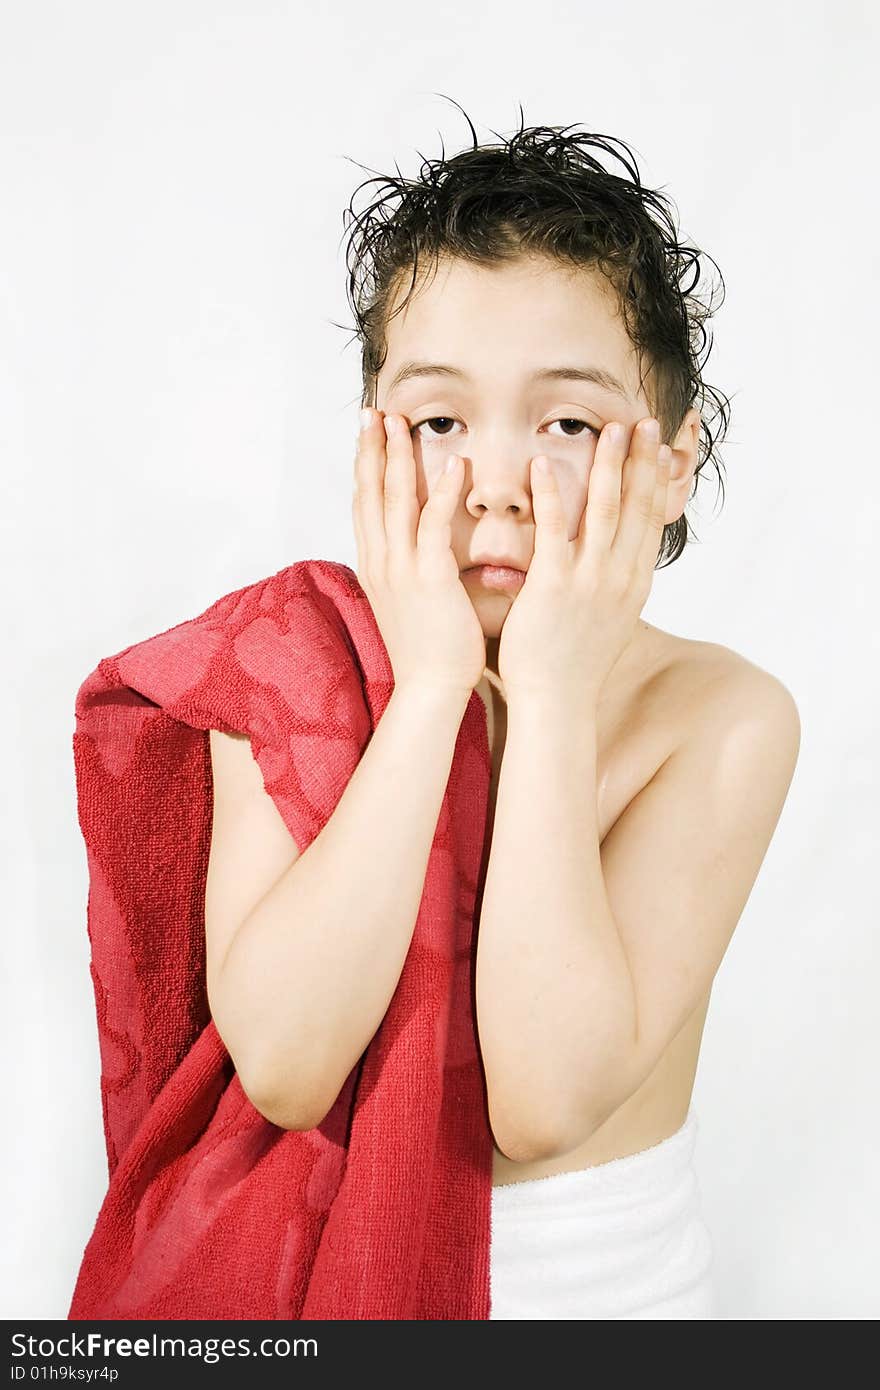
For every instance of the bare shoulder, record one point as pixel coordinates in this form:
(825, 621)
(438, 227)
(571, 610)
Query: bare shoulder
(722, 695)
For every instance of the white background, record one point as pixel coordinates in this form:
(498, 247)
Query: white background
(178, 417)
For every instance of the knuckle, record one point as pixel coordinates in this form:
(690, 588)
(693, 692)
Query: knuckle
(606, 510)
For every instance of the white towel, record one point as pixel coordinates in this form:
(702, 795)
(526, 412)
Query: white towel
(623, 1239)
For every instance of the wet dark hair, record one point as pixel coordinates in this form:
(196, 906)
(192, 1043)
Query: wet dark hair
(543, 191)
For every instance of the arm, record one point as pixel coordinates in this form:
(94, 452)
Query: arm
(591, 959)
(302, 960)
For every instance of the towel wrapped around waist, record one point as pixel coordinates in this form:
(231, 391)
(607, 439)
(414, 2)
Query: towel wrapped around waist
(622, 1239)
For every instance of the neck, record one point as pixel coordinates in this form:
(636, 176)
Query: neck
(627, 656)
(492, 645)
(490, 673)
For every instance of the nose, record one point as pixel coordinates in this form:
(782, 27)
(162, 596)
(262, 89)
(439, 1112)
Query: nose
(498, 485)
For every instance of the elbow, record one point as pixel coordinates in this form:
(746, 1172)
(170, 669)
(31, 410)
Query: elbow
(554, 1142)
(283, 1098)
(286, 1108)
(553, 1118)
(553, 1136)
(530, 1143)
(523, 1150)
(532, 1147)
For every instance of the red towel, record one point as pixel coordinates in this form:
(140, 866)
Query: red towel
(382, 1211)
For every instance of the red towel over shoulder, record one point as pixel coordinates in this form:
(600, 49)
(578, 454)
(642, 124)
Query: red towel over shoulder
(382, 1211)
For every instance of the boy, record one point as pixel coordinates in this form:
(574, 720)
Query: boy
(637, 777)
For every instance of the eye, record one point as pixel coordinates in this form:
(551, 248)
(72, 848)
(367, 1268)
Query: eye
(445, 420)
(569, 420)
(434, 420)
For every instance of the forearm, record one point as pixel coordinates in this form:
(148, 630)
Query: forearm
(555, 1000)
(313, 968)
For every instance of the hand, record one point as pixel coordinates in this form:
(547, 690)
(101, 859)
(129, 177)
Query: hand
(406, 565)
(581, 599)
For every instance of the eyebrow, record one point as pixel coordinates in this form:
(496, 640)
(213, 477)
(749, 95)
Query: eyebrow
(595, 376)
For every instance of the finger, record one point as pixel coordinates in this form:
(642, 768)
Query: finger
(356, 522)
(360, 538)
(434, 537)
(368, 501)
(654, 533)
(605, 442)
(602, 512)
(401, 501)
(637, 501)
(551, 526)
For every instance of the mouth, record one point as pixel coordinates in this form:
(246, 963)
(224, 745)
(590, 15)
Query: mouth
(501, 578)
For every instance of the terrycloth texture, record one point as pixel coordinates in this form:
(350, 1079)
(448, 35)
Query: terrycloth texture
(623, 1239)
(383, 1211)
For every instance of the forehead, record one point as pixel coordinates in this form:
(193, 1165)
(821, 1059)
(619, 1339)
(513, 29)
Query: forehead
(500, 323)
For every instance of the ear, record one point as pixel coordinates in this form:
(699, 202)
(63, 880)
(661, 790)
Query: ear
(682, 465)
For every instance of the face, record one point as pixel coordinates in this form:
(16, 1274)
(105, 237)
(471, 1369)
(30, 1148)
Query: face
(498, 329)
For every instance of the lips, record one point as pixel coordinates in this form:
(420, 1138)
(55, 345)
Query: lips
(505, 578)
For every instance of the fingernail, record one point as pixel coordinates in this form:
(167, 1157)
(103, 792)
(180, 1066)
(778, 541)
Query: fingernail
(366, 418)
(392, 425)
(652, 431)
(542, 465)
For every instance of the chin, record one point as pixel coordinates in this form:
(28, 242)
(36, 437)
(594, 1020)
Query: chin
(492, 609)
